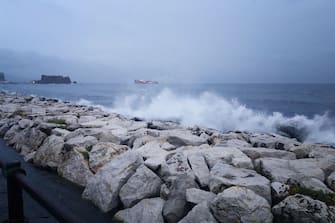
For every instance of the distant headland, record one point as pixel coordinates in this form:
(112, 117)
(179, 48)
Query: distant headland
(53, 79)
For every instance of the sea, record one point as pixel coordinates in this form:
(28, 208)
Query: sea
(307, 109)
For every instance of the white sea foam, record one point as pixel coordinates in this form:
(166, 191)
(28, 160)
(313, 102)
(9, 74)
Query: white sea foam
(210, 110)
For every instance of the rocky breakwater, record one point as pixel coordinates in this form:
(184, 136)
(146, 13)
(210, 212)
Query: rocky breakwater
(161, 172)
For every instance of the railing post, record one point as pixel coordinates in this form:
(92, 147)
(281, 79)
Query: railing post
(14, 190)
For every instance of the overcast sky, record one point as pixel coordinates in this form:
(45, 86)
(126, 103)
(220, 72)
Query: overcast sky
(190, 40)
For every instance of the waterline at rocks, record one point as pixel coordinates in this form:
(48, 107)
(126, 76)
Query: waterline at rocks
(160, 171)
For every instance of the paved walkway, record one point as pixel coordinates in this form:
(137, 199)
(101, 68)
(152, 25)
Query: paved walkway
(62, 191)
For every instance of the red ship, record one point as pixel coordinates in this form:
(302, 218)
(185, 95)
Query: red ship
(145, 82)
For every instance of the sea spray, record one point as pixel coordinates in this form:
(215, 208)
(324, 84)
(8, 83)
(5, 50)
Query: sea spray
(213, 111)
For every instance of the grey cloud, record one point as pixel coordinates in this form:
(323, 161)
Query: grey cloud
(214, 41)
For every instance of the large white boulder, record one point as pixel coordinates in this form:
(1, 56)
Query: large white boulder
(239, 204)
(60, 132)
(307, 150)
(331, 181)
(259, 152)
(153, 154)
(50, 153)
(176, 207)
(197, 196)
(146, 211)
(143, 184)
(279, 191)
(176, 165)
(25, 123)
(289, 170)
(315, 184)
(199, 168)
(103, 189)
(301, 209)
(28, 140)
(273, 141)
(200, 213)
(228, 155)
(81, 141)
(236, 143)
(103, 152)
(74, 167)
(225, 175)
(182, 137)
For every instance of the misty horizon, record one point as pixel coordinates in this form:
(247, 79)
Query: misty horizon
(175, 42)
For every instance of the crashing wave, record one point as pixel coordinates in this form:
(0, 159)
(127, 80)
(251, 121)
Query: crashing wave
(212, 111)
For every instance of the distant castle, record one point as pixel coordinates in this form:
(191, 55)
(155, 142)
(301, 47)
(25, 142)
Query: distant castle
(53, 79)
(2, 77)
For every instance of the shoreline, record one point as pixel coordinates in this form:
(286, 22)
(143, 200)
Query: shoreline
(130, 165)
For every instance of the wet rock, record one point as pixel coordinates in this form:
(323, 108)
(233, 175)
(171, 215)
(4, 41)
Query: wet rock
(217, 137)
(167, 146)
(174, 166)
(200, 213)
(56, 109)
(236, 143)
(86, 118)
(50, 153)
(60, 132)
(3, 129)
(289, 170)
(326, 164)
(313, 151)
(160, 125)
(197, 196)
(180, 137)
(28, 140)
(176, 206)
(81, 141)
(199, 168)
(273, 141)
(228, 155)
(48, 127)
(279, 191)
(11, 133)
(301, 209)
(10, 108)
(103, 152)
(74, 167)
(25, 123)
(29, 157)
(238, 204)
(146, 211)
(331, 181)
(68, 119)
(139, 141)
(225, 175)
(73, 127)
(153, 154)
(103, 189)
(143, 184)
(293, 130)
(315, 184)
(103, 135)
(164, 192)
(255, 153)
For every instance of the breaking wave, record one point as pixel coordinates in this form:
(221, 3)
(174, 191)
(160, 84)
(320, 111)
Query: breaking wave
(212, 111)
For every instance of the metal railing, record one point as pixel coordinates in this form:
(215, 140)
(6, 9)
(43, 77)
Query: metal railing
(17, 181)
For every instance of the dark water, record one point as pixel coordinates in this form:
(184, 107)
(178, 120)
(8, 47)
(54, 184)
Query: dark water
(289, 99)
(254, 107)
